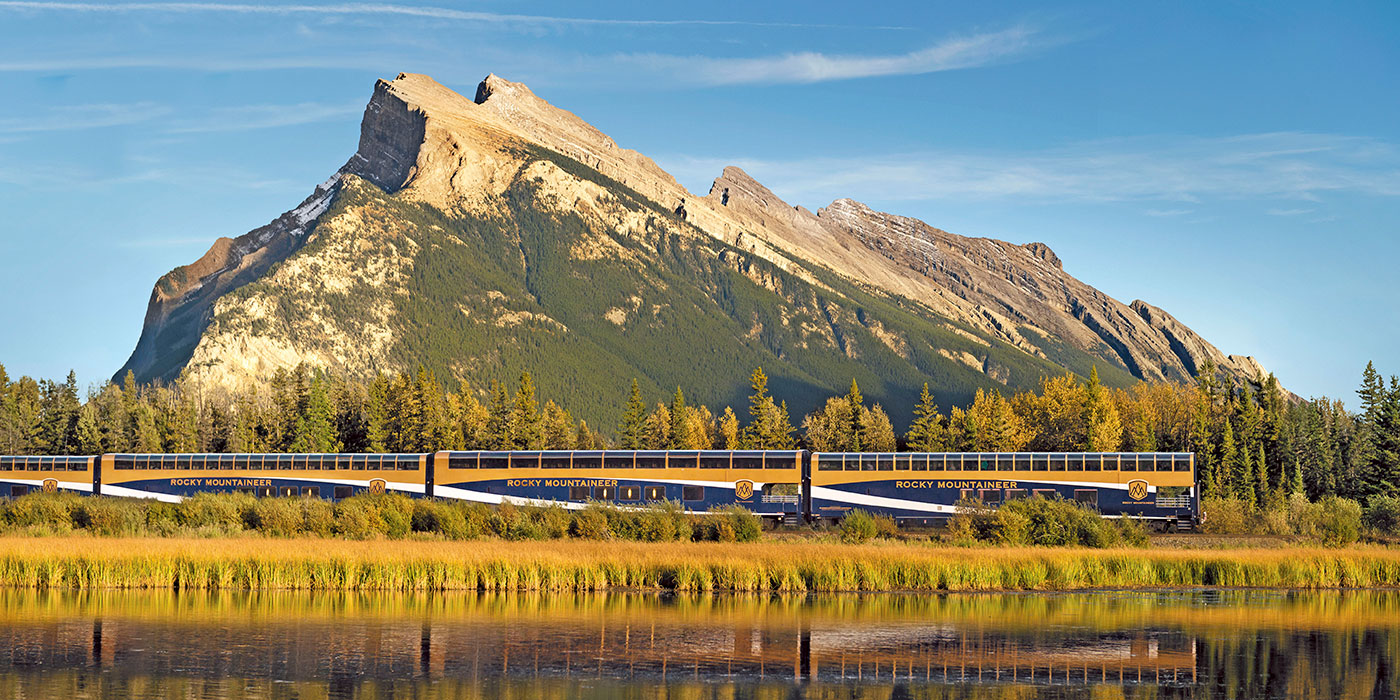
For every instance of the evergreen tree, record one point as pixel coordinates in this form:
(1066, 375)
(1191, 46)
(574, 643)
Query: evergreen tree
(927, 433)
(498, 435)
(1104, 432)
(315, 430)
(681, 428)
(879, 432)
(526, 431)
(856, 408)
(729, 430)
(630, 432)
(1226, 478)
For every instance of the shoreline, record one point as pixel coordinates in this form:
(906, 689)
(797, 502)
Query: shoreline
(80, 563)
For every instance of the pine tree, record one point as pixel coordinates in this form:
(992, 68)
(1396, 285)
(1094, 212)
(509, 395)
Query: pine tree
(630, 431)
(1104, 432)
(1226, 479)
(729, 430)
(856, 431)
(879, 432)
(498, 435)
(927, 433)
(526, 432)
(681, 434)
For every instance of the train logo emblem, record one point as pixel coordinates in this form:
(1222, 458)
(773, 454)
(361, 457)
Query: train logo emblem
(50, 485)
(376, 486)
(743, 489)
(1137, 489)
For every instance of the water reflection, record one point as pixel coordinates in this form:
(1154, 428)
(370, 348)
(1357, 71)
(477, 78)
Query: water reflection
(1202, 644)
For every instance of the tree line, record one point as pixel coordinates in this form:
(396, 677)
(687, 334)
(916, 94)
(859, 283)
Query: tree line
(1254, 442)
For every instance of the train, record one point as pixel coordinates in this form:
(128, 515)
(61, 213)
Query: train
(793, 486)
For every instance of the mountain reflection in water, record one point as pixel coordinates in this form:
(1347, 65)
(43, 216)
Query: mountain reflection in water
(1196, 644)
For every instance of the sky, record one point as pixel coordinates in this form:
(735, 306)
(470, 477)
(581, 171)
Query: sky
(1235, 163)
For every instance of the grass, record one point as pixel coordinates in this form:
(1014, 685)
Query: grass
(84, 562)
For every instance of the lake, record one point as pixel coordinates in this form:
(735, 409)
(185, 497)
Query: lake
(1154, 644)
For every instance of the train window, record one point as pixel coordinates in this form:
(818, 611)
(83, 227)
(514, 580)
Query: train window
(287, 491)
(46, 464)
(656, 493)
(1040, 462)
(1089, 497)
(967, 494)
(266, 491)
(188, 462)
(244, 489)
(410, 462)
(919, 462)
(1127, 462)
(1110, 463)
(828, 463)
(525, 460)
(604, 493)
(682, 460)
(494, 460)
(780, 460)
(343, 492)
(1006, 462)
(121, 462)
(554, 460)
(714, 460)
(1023, 462)
(650, 460)
(618, 460)
(588, 460)
(884, 462)
(17, 491)
(747, 460)
(1047, 494)
(1182, 462)
(1015, 494)
(1074, 463)
(902, 462)
(1164, 463)
(935, 461)
(1057, 462)
(1093, 463)
(579, 493)
(629, 493)
(286, 462)
(311, 492)
(7, 464)
(867, 462)
(299, 462)
(986, 462)
(990, 496)
(692, 493)
(462, 460)
(852, 462)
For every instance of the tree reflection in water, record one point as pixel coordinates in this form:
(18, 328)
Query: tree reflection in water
(1198, 644)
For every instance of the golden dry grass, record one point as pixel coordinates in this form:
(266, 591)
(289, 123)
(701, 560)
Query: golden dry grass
(573, 565)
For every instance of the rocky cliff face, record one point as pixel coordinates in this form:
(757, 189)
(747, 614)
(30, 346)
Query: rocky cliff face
(557, 237)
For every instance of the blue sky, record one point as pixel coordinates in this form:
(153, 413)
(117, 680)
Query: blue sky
(1236, 163)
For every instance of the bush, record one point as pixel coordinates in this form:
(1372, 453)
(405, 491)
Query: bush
(219, 511)
(1382, 516)
(1226, 516)
(162, 519)
(111, 516)
(54, 510)
(280, 517)
(1333, 521)
(591, 523)
(553, 522)
(886, 526)
(1042, 522)
(317, 517)
(857, 527)
(355, 518)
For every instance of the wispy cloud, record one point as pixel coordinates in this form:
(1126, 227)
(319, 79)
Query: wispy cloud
(812, 67)
(1168, 212)
(380, 9)
(1289, 212)
(1300, 166)
(79, 117)
(249, 117)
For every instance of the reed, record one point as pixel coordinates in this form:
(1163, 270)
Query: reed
(84, 562)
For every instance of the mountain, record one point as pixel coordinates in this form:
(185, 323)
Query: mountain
(480, 237)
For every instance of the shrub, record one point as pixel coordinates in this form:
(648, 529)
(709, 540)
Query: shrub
(54, 510)
(355, 518)
(281, 517)
(1133, 532)
(1226, 516)
(317, 517)
(591, 523)
(553, 522)
(1012, 527)
(1382, 515)
(858, 527)
(111, 516)
(886, 526)
(220, 511)
(1334, 521)
(162, 519)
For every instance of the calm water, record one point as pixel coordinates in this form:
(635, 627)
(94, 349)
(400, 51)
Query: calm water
(1201, 644)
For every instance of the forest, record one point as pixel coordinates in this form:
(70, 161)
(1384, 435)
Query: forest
(1257, 446)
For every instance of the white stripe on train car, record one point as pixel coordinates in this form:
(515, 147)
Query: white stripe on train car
(826, 494)
(498, 499)
(110, 490)
(74, 485)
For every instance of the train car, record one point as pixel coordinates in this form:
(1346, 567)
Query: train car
(20, 475)
(173, 477)
(767, 483)
(924, 487)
